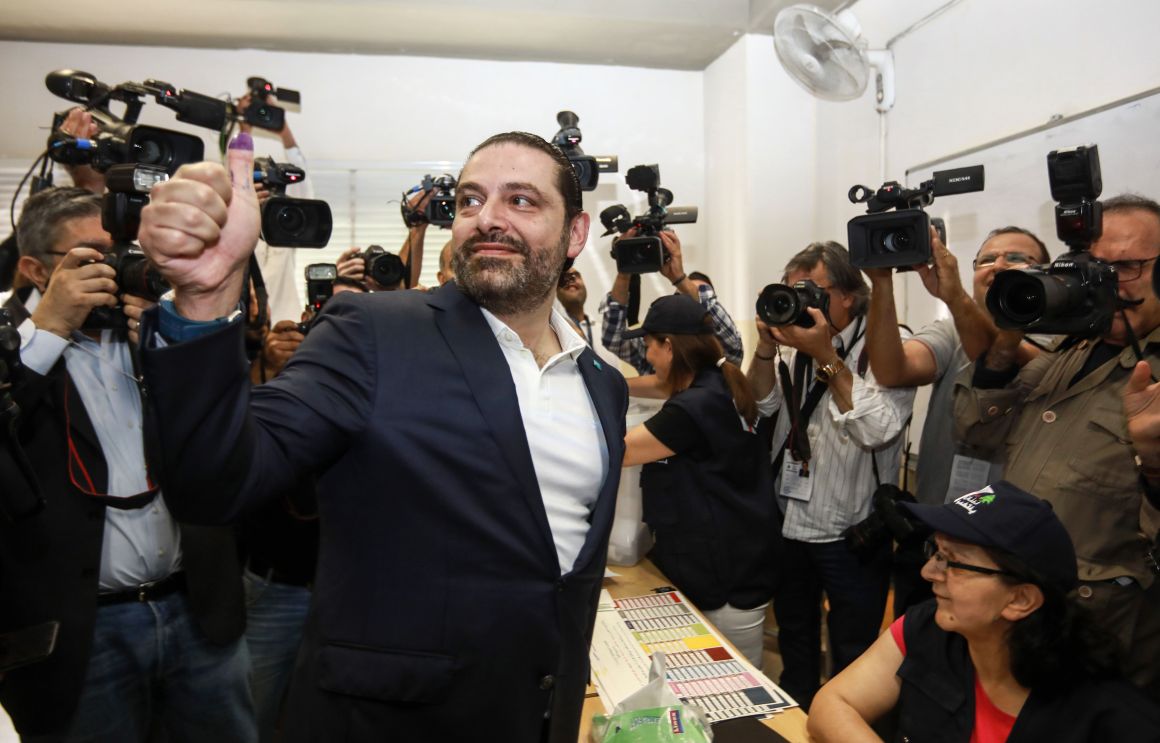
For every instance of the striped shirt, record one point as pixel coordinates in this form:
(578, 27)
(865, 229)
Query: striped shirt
(842, 476)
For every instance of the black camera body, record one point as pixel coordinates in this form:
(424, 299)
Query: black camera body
(440, 209)
(886, 521)
(134, 275)
(900, 239)
(319, 288)
(386, 268)
(288, 222)
(779, 304)
(266, 115)
(1073, 295)
(588, 167)
(644, 252)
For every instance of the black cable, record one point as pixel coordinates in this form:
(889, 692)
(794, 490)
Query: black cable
(20, 187)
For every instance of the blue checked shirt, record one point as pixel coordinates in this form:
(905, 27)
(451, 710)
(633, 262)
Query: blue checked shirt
(631, 350)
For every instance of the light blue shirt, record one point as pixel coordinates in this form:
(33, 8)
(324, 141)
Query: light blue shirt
(143, 544)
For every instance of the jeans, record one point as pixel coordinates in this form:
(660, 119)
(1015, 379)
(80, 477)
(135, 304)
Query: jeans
(275, 615)
(857, 595)
(151, 672)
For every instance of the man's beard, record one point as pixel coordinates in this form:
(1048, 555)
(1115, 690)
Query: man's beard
(504, 286)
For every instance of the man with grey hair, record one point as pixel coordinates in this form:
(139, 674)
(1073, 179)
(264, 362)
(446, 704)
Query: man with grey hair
(150, 612)
(1066, 424)
(838, 436)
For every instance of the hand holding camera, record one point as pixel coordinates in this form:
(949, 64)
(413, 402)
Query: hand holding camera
(82, 282)
(674, 266)
(941, 276)
(813, 341)
(281, 343)
(200, 229)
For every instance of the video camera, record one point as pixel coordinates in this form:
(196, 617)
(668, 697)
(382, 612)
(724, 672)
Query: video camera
(262, 114)
(288, 222)
(440, 209)
(588, 167)
(779, 304)
(901, 238)
(1075, 294)
(319, 288)
(121, 139)
(386, 268)
(644, 253)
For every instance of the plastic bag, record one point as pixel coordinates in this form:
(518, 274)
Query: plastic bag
(653, 714)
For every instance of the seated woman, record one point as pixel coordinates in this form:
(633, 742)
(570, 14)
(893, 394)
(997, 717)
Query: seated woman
(705, 482)
(1001, 653)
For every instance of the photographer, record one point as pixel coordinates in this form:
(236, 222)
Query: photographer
(836, 439)
(352, 264)
(705, 480)
(150, 611)
(1062, 424)
(614, 309)
(935, 355)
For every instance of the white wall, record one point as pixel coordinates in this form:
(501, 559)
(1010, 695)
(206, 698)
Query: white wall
(406, 110)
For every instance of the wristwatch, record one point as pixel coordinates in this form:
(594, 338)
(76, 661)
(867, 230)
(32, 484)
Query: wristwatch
(829, 371)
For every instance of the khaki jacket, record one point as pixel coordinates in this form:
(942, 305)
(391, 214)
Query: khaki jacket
(1071, 447)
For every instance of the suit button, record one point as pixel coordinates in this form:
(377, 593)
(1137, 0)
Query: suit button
(561, 585)
(547, 682)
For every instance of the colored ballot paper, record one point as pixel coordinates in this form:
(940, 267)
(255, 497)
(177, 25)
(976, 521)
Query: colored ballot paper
(701, 669)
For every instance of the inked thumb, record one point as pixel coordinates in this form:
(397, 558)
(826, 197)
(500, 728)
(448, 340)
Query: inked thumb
(240, 162)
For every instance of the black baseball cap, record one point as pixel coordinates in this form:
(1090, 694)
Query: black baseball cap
(1010, 519)
(675, 314)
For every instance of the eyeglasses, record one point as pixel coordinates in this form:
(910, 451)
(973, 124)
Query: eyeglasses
(1012, 258)
(930, 549)
(1130, 270)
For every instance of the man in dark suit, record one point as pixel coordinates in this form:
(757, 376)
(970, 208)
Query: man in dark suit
(150, 611)
(467, 445)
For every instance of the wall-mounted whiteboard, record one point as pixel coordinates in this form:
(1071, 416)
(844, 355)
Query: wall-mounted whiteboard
(1017, 193)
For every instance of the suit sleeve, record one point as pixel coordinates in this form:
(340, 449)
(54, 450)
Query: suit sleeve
(225, 449)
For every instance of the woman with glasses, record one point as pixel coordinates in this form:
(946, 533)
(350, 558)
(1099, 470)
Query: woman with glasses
(705, 483)
(1001, 653)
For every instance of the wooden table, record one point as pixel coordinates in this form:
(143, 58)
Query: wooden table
(641, 579)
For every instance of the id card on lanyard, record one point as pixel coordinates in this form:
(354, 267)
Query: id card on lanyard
(796, 482)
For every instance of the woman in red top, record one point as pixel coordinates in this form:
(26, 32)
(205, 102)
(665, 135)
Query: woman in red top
(1001, 654)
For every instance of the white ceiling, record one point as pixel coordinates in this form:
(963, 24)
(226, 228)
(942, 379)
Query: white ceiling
(672, 34)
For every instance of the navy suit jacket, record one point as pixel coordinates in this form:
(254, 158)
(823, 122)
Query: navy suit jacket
(439, 611)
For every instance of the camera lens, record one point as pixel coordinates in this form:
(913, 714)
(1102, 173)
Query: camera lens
(291, 219)
(897, 241)
(262, 114)
(1023, 301)
(778, 304)
(150, 152)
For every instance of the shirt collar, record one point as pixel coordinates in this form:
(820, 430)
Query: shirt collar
(571, 343)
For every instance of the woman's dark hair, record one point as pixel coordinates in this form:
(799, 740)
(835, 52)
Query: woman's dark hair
(693, 354)
(1059, 644)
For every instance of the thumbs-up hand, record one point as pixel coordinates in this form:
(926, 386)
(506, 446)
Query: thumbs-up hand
(200, 228)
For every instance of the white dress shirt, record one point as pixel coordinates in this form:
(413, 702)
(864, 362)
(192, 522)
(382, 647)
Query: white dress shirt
(569, 452)
(841, 472)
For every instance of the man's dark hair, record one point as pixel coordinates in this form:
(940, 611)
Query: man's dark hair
(839, 270)
(698, 276)
(45, 214)
(566, 180)
(1130, 201)
(1013, 230)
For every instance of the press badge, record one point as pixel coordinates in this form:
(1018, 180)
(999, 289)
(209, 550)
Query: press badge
(968, 475)
(796, 482)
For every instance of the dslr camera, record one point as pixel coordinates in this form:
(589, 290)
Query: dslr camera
(386, 268)
(262, 114)
(779, 304)
(319, 288)
(588, 167)
(1075, 294)
(440, 209)
(288, 222)
(886, 521)
(901, 238)
(644, 253)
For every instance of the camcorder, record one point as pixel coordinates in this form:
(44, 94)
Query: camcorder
(901, 238)
(440, 209)
(779, 304)
(319, 288)
(644, 253)
(588, 167)
(386, 268)
(1075, 294)
(288, 222)
(261, 113)
(121, 140)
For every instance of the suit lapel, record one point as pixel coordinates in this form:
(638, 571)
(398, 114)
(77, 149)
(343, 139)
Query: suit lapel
(488, 376)
(611, 415)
